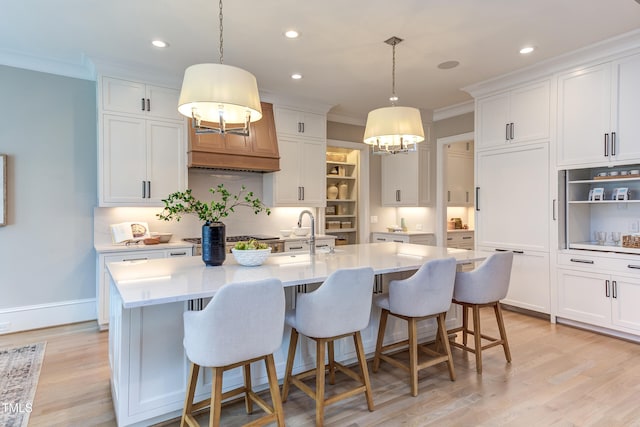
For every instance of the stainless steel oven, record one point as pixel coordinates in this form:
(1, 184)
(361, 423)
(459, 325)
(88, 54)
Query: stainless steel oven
(276, 245)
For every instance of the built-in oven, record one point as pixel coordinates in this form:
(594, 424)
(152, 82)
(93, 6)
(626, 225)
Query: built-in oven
(276, 245)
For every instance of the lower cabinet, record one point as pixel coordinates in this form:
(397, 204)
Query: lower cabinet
(303, 245)
(427, 239)
(460, 239)
(600, 299)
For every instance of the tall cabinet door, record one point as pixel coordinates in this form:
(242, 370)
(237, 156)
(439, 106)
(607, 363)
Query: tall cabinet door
(166, 159)
(312, 173)
(512, 209)
(625, 109)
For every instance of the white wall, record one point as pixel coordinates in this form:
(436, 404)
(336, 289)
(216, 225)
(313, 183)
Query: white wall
(47, 261)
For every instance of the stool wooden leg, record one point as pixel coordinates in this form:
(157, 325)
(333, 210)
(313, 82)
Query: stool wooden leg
(320, 381)
(332, 366)
(216, 397)
(275, 390)
(465, 323)
(191, 390)
(357, 340)
(293, 342)
(442, 333)
(477, 338)
(413, 355)
(248, 403)
(383, 324)
(503, 332)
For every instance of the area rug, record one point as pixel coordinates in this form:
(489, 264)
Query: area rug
(19, 372)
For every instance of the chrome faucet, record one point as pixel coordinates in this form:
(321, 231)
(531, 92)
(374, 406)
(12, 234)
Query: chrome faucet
(312, 240)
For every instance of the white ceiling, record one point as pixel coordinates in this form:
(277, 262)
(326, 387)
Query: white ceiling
(341, 51)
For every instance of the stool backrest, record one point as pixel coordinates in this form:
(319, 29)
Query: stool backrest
(242, 321)
(487, 283)
(427, 292)
(341, 305)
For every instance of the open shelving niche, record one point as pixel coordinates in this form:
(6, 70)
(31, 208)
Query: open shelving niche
(583, 217)
(346, 162)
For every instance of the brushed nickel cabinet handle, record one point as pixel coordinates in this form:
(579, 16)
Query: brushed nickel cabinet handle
(144, 190)
(477, 199)
(511, 132)
(637, 267)
(506, 131)
(142, 104)
(582, 261)
(606, 289)
(614, 287)
(606, 145)
(613, 143)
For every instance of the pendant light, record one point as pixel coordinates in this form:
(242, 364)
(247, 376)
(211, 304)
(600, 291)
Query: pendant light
(395, 129)
(219, 94)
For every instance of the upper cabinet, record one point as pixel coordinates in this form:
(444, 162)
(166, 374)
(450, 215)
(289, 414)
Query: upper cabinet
(516, 116)
(408, 179)
(303, 146)
(459, 158)
(258, 151)
(597, 114)
(140, 99)
(141, 151)
(300, 123)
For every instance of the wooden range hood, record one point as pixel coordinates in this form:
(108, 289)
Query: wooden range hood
(257, 152)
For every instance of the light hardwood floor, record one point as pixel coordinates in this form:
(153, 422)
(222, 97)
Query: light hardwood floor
(560, 376)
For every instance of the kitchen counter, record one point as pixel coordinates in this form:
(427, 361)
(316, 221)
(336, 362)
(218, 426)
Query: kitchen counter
(460, 230)
(148, 299)
(107, 248)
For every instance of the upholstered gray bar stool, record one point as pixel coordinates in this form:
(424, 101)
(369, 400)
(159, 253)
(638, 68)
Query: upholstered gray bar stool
(243, 323)
(483, 287)
(340, 307)
(424, 295)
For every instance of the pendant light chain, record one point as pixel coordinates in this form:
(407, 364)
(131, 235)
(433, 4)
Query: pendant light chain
(221, 40)
(394, 98)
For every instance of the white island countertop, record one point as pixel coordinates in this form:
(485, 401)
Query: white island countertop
(160, 281)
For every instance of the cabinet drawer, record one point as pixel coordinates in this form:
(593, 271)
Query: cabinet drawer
(387, 237)
(590, 262)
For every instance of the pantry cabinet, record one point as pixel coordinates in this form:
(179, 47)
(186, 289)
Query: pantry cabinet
(141, 149)
(516, 116)
(597, 114)
(408, 178)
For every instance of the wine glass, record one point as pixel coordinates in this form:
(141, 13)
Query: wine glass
(615, 237)
(601, 237)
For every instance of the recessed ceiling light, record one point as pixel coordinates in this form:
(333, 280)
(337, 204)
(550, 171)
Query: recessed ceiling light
(291, 34)
(527, 49)
(448, 65)
(296, 76)
(159, 43)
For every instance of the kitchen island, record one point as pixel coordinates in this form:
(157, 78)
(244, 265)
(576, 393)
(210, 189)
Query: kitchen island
(148, 365)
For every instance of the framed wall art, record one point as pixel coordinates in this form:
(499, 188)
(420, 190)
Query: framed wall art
(3, 189)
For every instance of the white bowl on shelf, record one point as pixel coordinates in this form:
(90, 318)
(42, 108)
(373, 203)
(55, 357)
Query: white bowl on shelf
(301, 231)
(162, 237)
(250, 257)
(285, 233)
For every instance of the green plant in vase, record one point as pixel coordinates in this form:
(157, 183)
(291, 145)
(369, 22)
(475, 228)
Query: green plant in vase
(222, 204)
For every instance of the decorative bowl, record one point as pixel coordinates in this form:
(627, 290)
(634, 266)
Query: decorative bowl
(301, 231)
(250, 257)
(162, 237)
(285, 233)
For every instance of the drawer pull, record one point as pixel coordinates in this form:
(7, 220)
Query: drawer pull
(467, 237)
(502, 250)
(381, 239)
(135, 259)
(518, 252)
(637, 267)
(399, 241)
(178, 254)
(582, 261)
(295, 247)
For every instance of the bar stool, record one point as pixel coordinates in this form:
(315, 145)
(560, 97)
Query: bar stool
(426, 294)
(483, 287)
(243, 323)
(340, 307)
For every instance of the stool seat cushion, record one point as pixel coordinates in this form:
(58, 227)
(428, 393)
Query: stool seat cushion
(487, 283)
(242, 321)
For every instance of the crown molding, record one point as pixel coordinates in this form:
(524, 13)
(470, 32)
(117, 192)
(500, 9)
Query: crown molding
(453, 110)
(83, 69)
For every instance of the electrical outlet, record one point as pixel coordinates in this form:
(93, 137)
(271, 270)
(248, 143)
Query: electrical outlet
(633, 226)
(418, 227)
(374, 219)
(5, 326)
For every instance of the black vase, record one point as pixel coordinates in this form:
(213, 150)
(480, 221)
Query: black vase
(213, 243)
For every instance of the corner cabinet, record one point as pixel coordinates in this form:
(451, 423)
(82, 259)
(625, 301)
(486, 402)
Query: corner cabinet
(408, 178)
(141, 144)
(302, 147)
(597, 114)
(516, 116)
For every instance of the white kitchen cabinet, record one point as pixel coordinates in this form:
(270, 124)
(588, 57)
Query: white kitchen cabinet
(460, 239)
(427, 239)
(513, 206)
(516, 116)
(408, 178)
(300, 123)
(141, 161)
(459, 176)
(139, 99)
(303, 245)
(301, 179)
(132, 256)
(597, 114)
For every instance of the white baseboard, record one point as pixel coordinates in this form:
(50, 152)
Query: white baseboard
(28, 317)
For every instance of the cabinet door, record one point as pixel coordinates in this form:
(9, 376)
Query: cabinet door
(400, 179)
(529, 285)
(492, 120)
(312, 173)
(314, 125)
(529, 113)
(582, 296)
(263, 134)
(626, 302)
(459, 180)
(123, 160)
(166, 164)
(286, 182)
(163, 102)
(124, 96)
(625, 111)
(299, 123)
(512, 210)
(584, 111)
